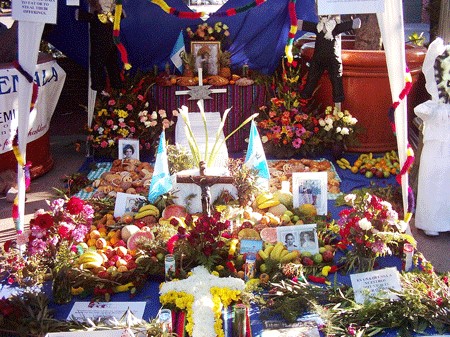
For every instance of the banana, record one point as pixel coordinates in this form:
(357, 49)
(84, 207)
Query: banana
(148, 212)
(150, 207)
(341, 164)
(275, 254)
(269, 249)
(344, 161)
(269, 203)
(123, 287)
(289, 257)
(90, 265)
(263, 197)
(263, 254)
(90, 256)
(283, 253)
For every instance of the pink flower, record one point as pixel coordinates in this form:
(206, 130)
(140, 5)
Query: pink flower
(104, 144)
(111, 102)
(129, 107)
(75, 205)
(140, 97)
(23, 238)
(109, 122)
(38, 246)
(297, 143)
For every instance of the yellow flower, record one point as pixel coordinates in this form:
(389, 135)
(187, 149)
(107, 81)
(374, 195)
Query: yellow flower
(122, 113)
(103, 112)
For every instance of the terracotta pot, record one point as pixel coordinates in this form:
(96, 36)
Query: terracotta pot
(367, 91)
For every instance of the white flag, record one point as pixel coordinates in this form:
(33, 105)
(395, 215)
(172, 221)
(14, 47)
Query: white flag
(161, 182)
(175, 55)
(256, 158)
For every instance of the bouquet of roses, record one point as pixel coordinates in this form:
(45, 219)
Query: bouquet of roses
(370, 228)
(337, 126)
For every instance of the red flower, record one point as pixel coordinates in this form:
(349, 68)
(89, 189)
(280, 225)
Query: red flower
(45, 221)
(75, 205)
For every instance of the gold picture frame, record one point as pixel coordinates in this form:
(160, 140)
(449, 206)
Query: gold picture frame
(206, 55)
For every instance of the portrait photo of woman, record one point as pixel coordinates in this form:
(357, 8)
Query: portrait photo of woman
(128, 149)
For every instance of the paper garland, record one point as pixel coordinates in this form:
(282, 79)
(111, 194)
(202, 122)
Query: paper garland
(292, 30)
(116, 35)
(409, 152)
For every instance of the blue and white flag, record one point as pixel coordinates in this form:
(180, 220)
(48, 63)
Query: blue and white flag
(175, 55)
(256, 158)
(161, 182)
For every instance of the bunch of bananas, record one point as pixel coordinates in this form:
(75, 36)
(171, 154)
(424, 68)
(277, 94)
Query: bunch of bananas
(89, 260)
(278, 253)
(343, 163)
(266, 200)
(147, 210)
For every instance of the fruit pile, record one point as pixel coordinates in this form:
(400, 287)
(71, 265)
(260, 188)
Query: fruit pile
(370, 166)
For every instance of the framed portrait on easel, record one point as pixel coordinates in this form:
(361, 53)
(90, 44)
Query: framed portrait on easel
(310, 188)
(206, 55)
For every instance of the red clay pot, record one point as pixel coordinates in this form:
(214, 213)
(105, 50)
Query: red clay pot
(367, 92)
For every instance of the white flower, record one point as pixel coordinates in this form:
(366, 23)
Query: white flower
(264, 139)
(338, 129)
(329, 120)
(402, 225)
(146, 104)
(175, 113)
(345, 131)
(354, 121)
(162, 113)
(115, 127)
(328, 127)
(347, 119)
(350, 198)
(154, 115)
(111, 142)
(340, 114)
(321, 122)
(100, 130)
(365, 224)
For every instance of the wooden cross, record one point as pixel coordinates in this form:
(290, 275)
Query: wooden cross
(199, 285)
(200, 92)
(205, 182)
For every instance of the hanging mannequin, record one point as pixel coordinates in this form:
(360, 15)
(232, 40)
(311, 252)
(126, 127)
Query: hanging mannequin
(433, 197)
(327, 53)
(103, 59)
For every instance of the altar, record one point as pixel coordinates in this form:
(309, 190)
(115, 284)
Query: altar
(243, 101)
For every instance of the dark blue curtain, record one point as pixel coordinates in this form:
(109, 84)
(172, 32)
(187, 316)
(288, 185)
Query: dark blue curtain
(258, 36)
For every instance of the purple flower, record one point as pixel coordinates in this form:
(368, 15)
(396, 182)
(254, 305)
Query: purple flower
(300, 131)
(38, 246)
(79, 233)
(276, 129)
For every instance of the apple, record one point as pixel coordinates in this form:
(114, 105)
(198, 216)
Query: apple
(327, 256)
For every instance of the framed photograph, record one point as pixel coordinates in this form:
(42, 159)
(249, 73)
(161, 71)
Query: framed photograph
(250, 246)
(299, 237)
(310, 188)
(126, 202)
(206, 55)
(128, 148)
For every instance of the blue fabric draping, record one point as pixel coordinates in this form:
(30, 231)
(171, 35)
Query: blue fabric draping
(258, 36)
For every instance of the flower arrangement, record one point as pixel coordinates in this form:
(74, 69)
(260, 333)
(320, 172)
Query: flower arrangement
(337, 127)
(68, 220)
(287, 127)
(371, 228)
(202, 241)
(202, 295)
(126, 113)
(205, 32)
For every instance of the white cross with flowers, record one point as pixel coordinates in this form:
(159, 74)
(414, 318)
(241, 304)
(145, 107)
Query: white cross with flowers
(200, 92)
(199, 285)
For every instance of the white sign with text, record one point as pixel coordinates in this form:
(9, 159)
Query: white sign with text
(35, 10)
(49, 77)
(327, 7)
(377, 283)
(94, 310)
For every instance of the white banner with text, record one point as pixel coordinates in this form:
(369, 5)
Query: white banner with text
(49, 77)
